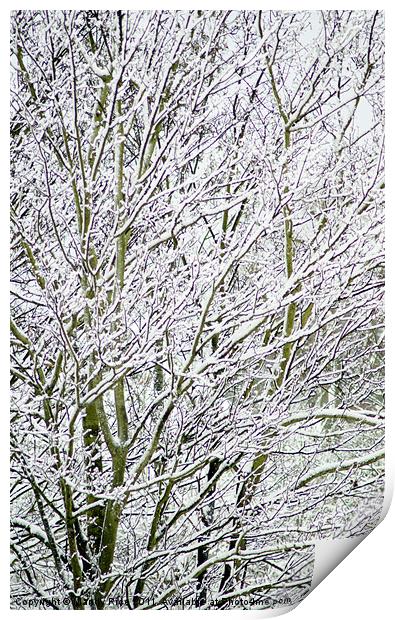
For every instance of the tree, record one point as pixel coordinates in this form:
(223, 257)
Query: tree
(197, 317)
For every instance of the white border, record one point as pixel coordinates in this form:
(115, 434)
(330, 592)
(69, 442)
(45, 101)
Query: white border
(360, 588)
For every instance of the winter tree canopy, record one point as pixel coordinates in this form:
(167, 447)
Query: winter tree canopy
(197, 315)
